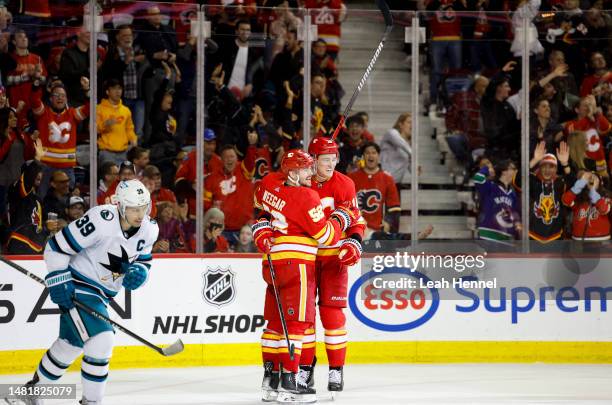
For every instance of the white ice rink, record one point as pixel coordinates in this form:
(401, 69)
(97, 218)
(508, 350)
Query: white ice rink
(366, 384)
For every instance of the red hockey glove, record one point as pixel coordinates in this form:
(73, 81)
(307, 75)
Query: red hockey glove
(262, 235)
(350, 252)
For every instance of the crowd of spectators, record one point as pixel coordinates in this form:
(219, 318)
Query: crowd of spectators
(146, 111)
(570, 99)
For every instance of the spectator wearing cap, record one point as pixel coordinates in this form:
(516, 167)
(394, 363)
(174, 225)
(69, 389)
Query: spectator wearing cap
(76, 208)
(546, 213)
(27, 234)
(107, 176)
(56, 199)
(123, 62)
(115, 126)
(212, 161)
(127, 171)
(230, 188)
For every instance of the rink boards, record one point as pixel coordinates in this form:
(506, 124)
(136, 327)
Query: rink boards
(215, 305)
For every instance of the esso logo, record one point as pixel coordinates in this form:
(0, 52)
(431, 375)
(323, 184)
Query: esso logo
(393, 309)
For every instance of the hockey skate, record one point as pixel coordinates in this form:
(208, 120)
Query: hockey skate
(335, 383)
(269, 385)
(84, 401)
(26, 400)
(306, 374)
(290, 391)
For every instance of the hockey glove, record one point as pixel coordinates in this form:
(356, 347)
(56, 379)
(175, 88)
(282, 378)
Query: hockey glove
(344, 217)
(262, 235)
(350, 252)
(135, 276)
(61, 288)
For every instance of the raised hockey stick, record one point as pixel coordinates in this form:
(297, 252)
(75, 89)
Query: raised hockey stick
(290, 345)
(384, 9)
(171, 350)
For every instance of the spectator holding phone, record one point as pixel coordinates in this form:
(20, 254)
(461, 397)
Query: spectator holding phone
(214, 223)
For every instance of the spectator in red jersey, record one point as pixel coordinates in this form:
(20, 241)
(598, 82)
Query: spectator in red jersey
(214, 241)
(57, 124)
(15, 148)
(445, 44)
(376, 192)
(230, 188)
(328, 16)
(600, 73)
(590, 205)
(30, 71)
(591, 121)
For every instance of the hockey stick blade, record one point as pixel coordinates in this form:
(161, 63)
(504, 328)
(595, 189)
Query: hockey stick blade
(173, 349)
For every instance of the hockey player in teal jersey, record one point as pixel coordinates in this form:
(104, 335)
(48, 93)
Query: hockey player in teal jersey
(91, 259)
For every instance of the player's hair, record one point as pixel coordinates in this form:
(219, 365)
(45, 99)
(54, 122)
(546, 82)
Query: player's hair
(370, 145)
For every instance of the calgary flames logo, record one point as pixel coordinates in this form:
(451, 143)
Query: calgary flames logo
(369, 200)
(546, 209)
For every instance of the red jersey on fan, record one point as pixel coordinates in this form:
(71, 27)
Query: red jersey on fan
(19, 81)
(375, 194)
(298, 220)
(338, 191)
(232, 192)
(187, 169)
(594, 130)
(262, 163)
(590, 221)
(327, 18)
(444, 23)
(58, 132)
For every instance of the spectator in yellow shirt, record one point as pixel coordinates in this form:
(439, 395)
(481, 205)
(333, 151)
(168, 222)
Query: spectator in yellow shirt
(115, 126)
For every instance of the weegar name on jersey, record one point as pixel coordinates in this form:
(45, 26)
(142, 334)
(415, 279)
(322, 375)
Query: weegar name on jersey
(193, 324)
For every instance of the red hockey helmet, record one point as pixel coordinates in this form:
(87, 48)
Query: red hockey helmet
(296, 159)
(322, 145)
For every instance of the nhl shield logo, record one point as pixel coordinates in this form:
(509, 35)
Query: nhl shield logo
(219, 286)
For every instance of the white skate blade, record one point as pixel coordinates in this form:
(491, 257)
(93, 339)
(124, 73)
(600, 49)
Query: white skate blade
(285, 397)
(269, 395)
(334, 395)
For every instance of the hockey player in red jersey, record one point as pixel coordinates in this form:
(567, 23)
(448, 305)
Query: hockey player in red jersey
(335, 190)
(294, 226)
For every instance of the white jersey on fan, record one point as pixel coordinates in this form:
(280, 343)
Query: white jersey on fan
(94, 247)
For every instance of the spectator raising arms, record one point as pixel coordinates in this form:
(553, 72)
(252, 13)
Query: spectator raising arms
(590, 208)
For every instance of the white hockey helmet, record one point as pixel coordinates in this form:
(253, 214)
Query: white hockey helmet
(132, 193)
